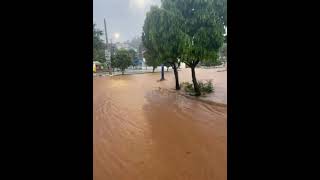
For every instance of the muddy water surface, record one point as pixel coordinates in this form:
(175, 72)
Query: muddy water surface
(143, 132)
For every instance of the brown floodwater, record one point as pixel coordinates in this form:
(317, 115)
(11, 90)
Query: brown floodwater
(143, 132)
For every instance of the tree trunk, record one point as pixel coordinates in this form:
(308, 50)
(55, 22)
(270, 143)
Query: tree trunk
(162, 72)
(167, 68)
(195, 82)
(153, 68)
(110, 70)
(174, 67)
(122, 72)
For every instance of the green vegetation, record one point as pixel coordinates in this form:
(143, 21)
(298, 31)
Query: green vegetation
(98, 45)
(152, 59)
(187, 30)
(167, 65)
(121, 60)
(162, 36)
(205, 87)
(133, 56)
(203, 30)
(210, 63)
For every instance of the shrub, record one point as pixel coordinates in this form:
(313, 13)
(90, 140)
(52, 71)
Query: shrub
(205, 87)
(188, 87)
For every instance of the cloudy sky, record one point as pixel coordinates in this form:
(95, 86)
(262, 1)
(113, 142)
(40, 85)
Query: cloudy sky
(124, 17)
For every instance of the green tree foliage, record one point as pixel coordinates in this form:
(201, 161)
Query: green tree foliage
(189, 30)
(167, 65)
(122, 60)
(220, 6)
(202, 30)
(211, 63)
(223, 50)
(162, 35)
(98, 55)
(133, 56)
(150, 54)
(98, 45)
(113, 62)
(152, 59)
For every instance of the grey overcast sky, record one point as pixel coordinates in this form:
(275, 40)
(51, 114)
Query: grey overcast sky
(125, 17)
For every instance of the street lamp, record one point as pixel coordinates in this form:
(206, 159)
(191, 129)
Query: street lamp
(116, 35)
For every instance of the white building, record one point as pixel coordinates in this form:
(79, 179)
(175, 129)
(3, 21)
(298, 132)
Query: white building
(123, 46)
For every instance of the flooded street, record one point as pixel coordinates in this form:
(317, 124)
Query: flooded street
(143, 132)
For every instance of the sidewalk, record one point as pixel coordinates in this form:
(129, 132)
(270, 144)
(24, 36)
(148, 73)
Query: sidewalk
(149, 70)
(132, 71)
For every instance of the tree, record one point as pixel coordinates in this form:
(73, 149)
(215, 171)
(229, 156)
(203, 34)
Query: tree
(133, 56)
(224, 50)
(150, 54)
(113, 62)
(179, 64)
(167, 65)
(223, 53)
(122, 60)
(162, 34)
(98, 45)
(211, 63)
(152, 59)
(203, 29)
(98, 55)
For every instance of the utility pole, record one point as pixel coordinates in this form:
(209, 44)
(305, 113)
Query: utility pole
(111, 52)
(107, 51)
(111, 48)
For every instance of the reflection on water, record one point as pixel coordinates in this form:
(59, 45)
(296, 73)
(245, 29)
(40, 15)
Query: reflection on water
(145, 132)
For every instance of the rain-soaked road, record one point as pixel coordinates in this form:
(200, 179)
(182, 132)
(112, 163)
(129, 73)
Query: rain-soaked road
(142, 132)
